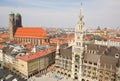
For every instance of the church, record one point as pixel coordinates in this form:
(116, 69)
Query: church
(32, 35)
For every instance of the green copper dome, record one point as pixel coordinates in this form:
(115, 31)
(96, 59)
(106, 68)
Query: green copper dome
(18, 14)
(12, 14)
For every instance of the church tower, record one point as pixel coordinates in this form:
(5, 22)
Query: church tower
(18, 20)
(78, 48)
(15, 21)
(11, 25)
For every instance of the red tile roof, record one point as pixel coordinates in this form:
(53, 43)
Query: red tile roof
(115, 39)
(30, 32)
(70, 38)
(29, 46)
(1, 46)
(32, 56)
(53, 48)
(4, 35)
(21, 43)
(88, 37)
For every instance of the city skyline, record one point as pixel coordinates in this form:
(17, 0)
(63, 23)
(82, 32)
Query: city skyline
(44, 13)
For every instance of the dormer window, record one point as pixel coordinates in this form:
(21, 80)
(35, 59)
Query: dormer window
(116, 55)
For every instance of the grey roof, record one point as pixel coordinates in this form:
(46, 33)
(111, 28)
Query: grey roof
(98, 48)
(108, 62)
(66, 52)
(92, 57)
(9, 50)
(111, 51)
(105, 54)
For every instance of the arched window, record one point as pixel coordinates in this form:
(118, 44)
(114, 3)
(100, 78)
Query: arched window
(82, 80)
(77, 58)
(76, 77)
(69, 75)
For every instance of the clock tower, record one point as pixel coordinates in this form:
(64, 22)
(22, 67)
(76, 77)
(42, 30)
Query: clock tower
(78, 48)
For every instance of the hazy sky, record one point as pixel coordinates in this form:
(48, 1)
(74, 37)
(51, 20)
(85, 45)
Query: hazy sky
(62, 13)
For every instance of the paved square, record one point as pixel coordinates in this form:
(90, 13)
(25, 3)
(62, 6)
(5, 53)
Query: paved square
(47, 77)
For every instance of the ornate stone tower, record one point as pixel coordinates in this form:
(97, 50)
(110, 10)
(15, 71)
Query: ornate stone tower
(18, 20)
(11, 25)
(78, 49)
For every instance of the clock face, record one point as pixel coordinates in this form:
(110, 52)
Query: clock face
(77, 57)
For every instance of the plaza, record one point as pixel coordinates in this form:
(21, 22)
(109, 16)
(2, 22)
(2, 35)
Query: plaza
(48, 77)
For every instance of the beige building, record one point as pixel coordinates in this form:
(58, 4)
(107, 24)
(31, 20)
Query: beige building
(27, 64)
(63, 61)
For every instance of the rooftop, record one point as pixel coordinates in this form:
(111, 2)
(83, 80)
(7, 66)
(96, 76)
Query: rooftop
(31, 56)
(30, 32)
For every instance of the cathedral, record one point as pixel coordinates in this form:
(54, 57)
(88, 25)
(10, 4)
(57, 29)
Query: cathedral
(32, 35)
(86, 61)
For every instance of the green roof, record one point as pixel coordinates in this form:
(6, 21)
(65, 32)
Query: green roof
(17, 14)
(11, 13)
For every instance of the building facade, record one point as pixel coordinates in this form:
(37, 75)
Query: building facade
(88, 62)
(63, 61)
(26, 64)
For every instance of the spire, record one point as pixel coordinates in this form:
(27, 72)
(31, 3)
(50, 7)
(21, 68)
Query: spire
(81, 13)
(80, 6)
(80, 24)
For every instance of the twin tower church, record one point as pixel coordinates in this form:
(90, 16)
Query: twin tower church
(32, 35)
(15, 21)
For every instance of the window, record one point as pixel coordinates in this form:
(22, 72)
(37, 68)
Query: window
(95, 63)
(94, 68)
(61, 72)
(77, 58)
(76, 77)
(69, 75)
(76, 70)
(65, 74)
(22, 65)
(82, 80)
(75, 66)
(58, 71)
(85, 61)
(90, 62)
(117, 55)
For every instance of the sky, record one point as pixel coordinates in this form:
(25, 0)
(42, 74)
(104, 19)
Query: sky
(62, 13)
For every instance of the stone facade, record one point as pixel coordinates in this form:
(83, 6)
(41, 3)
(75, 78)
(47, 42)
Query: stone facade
(63, 61)
(88, 62)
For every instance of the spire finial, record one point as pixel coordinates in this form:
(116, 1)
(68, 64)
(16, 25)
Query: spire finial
(81, 4)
